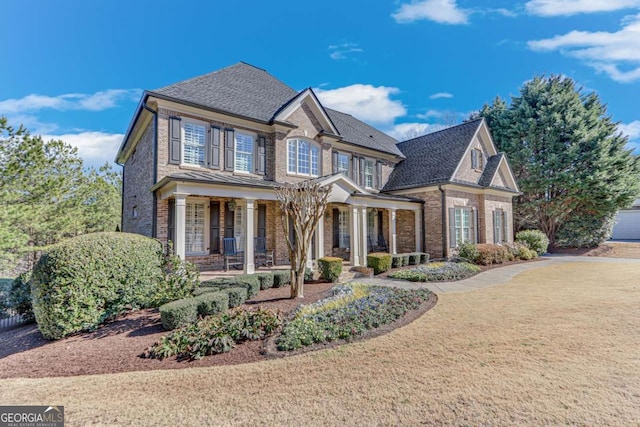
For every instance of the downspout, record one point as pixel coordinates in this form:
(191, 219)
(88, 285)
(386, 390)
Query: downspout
(423, 232)
(154, 208)
(445, 234)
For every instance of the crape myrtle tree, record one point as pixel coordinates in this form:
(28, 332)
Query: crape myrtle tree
(47, 195)
(569, 158)
(302, 206)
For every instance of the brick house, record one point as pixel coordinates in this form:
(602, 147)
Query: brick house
(201, 159)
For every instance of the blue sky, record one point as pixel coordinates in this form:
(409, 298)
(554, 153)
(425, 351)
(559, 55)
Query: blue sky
(75, 69)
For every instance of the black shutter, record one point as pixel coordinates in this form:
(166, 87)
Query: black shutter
(262, 221)
(171, 232)
(214, 148)
(361, 170)
(229, 221)
(214, 231)
(336, 228)
(229, 156)
(334, 156)
(175, 139)
(452, 227)
(379, 182)
(380, 227)
(261, 158)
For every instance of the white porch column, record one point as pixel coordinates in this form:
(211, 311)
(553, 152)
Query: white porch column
(320, 238)
(181, 224)
(363, 236)
(354, 243)
(249, 266)
(418, 230)
(392, 231)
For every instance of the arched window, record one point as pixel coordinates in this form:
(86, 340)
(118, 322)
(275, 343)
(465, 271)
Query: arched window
(303, 157)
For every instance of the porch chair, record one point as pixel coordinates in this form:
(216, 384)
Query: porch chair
(263, 255)
(232, 257)
(380, 247)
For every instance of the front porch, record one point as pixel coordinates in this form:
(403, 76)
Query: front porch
(197, 217)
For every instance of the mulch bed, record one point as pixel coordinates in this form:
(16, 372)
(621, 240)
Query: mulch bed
(115, 347)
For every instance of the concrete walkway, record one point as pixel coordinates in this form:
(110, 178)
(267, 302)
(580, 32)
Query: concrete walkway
(495, 276)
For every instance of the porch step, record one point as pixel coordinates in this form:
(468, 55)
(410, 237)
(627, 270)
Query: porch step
(355, 273)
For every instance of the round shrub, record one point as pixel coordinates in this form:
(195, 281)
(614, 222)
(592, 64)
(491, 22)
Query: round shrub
(534, 239)
(266, 280)
(469, 251)
(178, 313)
(281, 278)
(211, 303)
(81, 282)
(380, 262)
(330, 268)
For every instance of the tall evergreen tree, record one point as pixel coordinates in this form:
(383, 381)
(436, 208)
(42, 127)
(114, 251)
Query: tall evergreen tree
(46, 195)
(569, 158)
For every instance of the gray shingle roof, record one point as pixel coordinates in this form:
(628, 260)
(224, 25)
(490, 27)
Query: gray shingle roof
(251, 92)
(217, 178)
(360, 133)
(490, 170)
(240, 89)
(433, 158)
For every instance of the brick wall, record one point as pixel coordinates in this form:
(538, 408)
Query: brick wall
(491, 203)
(466, 173)
(405, 231)
(138, 179)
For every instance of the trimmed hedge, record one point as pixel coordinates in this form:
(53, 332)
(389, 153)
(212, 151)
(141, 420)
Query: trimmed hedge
(83, 281)
(266, 280)
(534, 239)
(380, 262)
(405, 259)
(281, 278)
(179, 313)
(330, 268)
(237, 295)
(212, 303)
(250, 281)
(414, 258)
(424, 258)
(396, 261)
(437, 272)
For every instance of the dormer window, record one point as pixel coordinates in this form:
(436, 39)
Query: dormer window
(476, 159)
(303, 157)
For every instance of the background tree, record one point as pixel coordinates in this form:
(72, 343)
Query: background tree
(569, 158)
(47, 195)
(302, 206)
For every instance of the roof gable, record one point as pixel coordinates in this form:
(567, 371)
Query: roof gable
(309, 97)
(432, 158)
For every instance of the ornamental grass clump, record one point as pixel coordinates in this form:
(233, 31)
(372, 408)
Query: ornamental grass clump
(353, 309)
(437, 272)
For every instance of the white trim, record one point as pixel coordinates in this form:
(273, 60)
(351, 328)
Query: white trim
(308, 96)
(491, 150)
(505, 163)
(206, 223)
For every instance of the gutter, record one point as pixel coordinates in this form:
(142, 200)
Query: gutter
(445, 234)
(154, 208)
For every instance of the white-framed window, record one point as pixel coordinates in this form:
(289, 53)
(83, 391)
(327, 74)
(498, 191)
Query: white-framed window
(193, 142)
(303, 157)
(343, 163)
(477, 161)
(463, 225)
(244, 151)
(372, 227)
(195, 227)
(369, 170)
(239, 227)
(500, 226)
(343, 228)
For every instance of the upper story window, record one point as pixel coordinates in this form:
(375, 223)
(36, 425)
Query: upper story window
(343, 163)
(193, 137)
(476, 159)
(303, 157)
(244, 152)
(369, 170)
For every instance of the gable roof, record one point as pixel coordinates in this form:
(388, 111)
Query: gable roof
(432, 158)
(244, 90)
(360, 133)
(240, 89)
(490, 170)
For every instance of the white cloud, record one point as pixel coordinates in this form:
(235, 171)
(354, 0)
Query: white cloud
(372, 104)
(341, 51)
(617, 54)
(98, 101)
(441, 11)
(95, 148)
(573, 7)
(632, 130)
(441, 95)
(404, 131)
